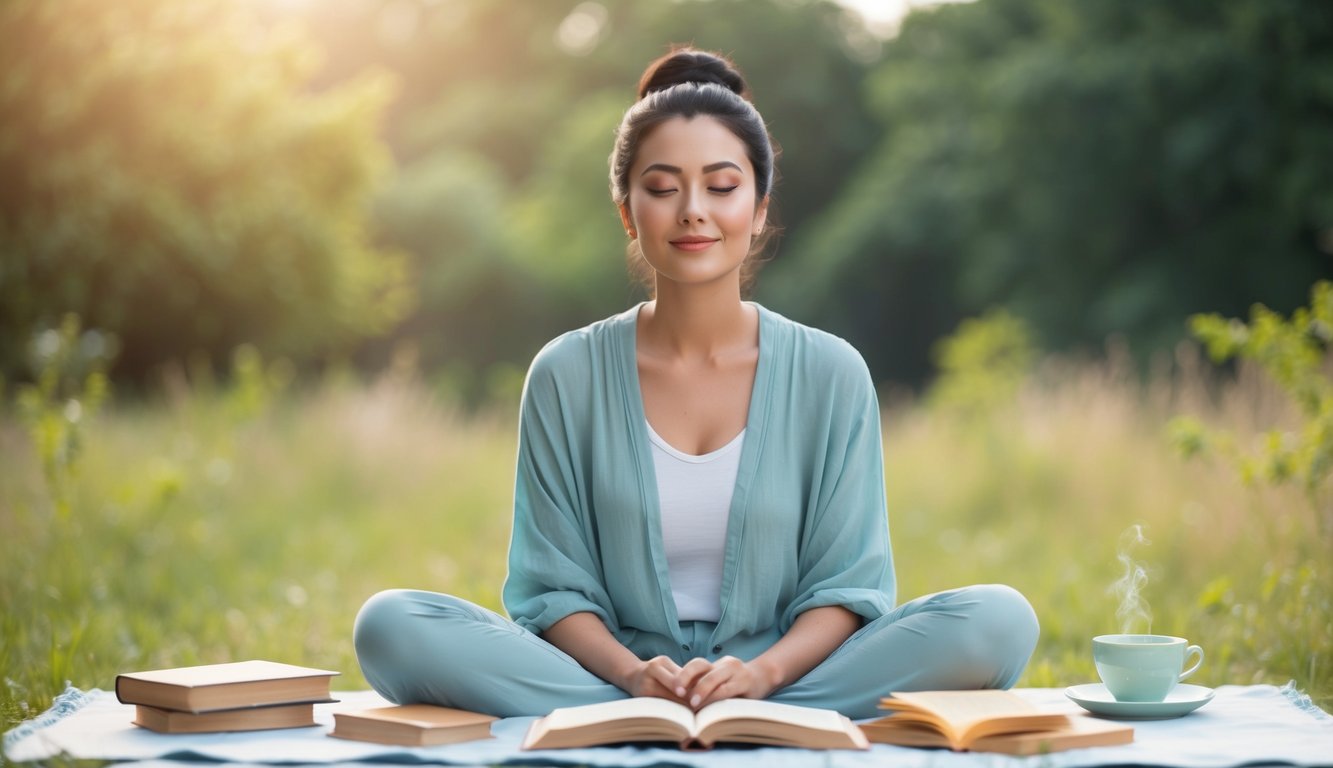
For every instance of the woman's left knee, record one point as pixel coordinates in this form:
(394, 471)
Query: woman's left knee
(1006, 619)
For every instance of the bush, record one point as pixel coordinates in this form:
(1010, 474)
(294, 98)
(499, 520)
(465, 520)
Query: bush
(168, 179)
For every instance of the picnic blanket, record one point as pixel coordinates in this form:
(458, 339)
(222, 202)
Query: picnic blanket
(1242, 725)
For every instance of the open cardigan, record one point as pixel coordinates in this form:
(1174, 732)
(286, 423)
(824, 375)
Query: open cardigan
(807, 527)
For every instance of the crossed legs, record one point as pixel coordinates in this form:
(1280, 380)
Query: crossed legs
(417, 646)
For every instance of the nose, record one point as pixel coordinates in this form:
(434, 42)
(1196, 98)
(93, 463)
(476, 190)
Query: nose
(691, 211)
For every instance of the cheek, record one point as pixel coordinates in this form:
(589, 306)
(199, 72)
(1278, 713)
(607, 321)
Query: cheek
(737, 215)
(647, 212)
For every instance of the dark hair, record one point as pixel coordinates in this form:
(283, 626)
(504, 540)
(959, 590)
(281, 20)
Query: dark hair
(687, 83)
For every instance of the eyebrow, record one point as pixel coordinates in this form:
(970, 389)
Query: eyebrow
(676, 170)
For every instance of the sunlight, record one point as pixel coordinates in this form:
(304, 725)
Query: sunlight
(883, 17)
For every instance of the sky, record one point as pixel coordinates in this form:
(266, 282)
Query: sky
(883, 16)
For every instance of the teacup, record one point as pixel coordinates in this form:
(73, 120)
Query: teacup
(1142, 667)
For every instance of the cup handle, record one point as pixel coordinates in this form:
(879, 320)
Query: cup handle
(1197, 664)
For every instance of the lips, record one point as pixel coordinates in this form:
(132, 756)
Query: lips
(693, 242)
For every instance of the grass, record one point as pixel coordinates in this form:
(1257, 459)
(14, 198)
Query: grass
(211, 525)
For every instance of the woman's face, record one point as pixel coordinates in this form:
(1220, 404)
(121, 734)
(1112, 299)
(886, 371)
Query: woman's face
(692, 201)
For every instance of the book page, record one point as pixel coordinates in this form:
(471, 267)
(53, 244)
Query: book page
(754, 709)
(626, 709)
(960, 714)
(963, 707)
(965, 715)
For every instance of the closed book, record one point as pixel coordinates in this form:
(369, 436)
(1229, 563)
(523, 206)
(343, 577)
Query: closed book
(210, 687)
(248, 719)
(412, 725)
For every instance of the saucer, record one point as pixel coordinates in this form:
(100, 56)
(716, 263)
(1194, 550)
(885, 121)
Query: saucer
(1182, 700)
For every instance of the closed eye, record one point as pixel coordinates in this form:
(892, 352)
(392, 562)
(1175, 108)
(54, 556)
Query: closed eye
(660, 192)
(723, 190)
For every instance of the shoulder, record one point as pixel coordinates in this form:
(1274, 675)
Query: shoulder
(817, 353)
(576, 356)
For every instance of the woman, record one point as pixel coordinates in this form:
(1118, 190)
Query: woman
(699, 505)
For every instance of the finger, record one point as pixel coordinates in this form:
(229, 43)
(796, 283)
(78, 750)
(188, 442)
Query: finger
(704, 688)
(664, 675)
(688, 676)
(665, 662)
(659, 691)
(731, 678)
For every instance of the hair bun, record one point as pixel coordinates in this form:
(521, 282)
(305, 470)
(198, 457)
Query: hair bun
(687, 65)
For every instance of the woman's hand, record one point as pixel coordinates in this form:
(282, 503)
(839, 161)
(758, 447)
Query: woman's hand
(814, 635)
(701, 682)
(657, 677)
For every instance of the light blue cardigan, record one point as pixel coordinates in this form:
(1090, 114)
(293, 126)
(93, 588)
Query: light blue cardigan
(808, 525)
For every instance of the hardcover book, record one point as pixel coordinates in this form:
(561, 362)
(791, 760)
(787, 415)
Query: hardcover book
(412, 725)
(234, 685)
(247, 719)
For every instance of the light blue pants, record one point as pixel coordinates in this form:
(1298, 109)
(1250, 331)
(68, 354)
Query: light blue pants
(426, 647)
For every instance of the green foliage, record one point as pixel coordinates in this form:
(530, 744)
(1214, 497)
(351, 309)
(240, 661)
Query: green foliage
(255, 385)
(231, 522)
(1078, 164)
(188, 175)
(1295, 352)
(577, 260)
(983, 364)
(171, 178)
(71, 388)
(503, 130)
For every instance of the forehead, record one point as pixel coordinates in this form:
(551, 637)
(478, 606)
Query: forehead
(690, 144)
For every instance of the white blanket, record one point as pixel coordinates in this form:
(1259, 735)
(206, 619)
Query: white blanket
(1241, 725)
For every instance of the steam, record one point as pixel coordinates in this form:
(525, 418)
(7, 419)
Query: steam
(1128, 589)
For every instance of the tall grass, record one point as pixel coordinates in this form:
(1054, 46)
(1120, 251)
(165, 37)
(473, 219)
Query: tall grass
(249, 521)
(1041, 492)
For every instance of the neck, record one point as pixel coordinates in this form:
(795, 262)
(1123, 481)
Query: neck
(698, 323)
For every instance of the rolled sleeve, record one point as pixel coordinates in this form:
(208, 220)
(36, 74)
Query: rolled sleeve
(553, 569)
(844, 557)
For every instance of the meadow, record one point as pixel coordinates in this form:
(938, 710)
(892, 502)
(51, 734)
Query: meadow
(220, 522)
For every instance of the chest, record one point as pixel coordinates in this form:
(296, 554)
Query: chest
(698, 408)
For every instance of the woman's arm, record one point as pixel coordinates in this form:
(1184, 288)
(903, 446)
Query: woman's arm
(813, 636)
(584, 636)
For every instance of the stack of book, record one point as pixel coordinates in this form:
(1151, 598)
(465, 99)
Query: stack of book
(239, 696)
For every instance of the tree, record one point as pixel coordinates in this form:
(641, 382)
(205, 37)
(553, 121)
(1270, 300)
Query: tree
(169, 178)
(504, 128)
(1098, 168)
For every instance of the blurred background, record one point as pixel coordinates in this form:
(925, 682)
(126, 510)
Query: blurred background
(331, 182)
(271, 273)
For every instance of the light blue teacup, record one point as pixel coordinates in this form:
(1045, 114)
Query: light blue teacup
(1142, 667)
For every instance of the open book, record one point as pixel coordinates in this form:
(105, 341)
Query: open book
(732, 720)
(987, 721)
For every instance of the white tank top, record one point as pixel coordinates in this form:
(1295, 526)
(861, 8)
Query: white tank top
(694, 494)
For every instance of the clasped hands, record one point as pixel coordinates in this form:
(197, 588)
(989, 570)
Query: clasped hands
(701, 682)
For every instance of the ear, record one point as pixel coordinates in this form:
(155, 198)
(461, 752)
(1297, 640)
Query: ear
(760, 216)
(627, 221)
